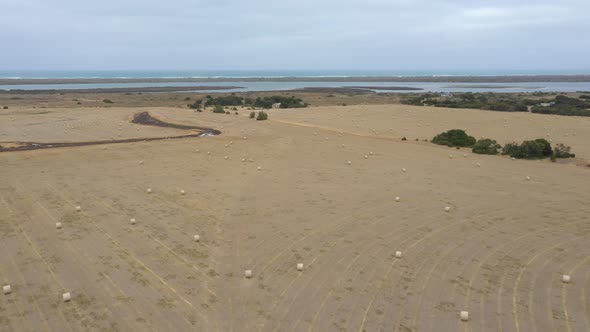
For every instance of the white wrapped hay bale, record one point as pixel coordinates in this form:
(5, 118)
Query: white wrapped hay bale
(6, 289)
(182, 192)
(398, 254)
(349, 162)
(299, 266)
(197, 237)
(66, 297)
(132, 221)
(248, 273)
(149, 190)
(404, 169)
(447, 208)
(78, 208)
(464, 315)
(528, 178)
(566, 278)
(58, 225)
(397, 199)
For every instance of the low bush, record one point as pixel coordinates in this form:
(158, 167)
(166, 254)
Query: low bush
(562, 151)
(262, 116)
(486, 146)
(196, 104)
(252, 115)
(536, 149)
(107, 101)
(454, 137)
(510, 149)
(218, 109)
(286, 102)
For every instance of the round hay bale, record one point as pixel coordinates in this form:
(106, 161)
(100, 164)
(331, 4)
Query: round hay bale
(398, 254)
(6, 289)
(248, 273)
(528, 178)
(141, 162)
(78, 208)
(259, 168)
(197, 237)
(299, 266)
(349, 162)
(66, 297)
(404, 169)
(447, 208)
(58, 225)
(464, 315)
(149, 190)
(366, 157)
(397, 199)
(566, 278)
(182, 192)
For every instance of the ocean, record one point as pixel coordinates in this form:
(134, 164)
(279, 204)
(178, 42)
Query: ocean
(293, 84)
(268, 73)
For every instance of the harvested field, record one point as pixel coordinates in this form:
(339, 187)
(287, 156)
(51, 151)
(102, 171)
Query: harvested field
(267, 195)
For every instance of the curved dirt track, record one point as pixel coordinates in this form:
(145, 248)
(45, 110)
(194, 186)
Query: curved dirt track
(142, 118)
(499, 253)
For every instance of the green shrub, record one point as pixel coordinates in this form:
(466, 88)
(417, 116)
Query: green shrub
(510, 149)
(5, 107)
(286, 102)
(196, 104)
(562, 151)
(537, 149)
(107, 101)
(454, 137)
(252, 115)
(486, 146)
(262, 116)
(187, 98)
(218, 109)
(231, 100)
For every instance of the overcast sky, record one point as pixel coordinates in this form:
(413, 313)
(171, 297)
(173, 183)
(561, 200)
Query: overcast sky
(296, 34)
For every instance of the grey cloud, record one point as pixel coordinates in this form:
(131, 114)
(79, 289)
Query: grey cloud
(306, 34)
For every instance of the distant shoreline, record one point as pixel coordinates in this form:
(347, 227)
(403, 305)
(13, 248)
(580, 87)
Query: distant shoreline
(401, 79)
(146, 89)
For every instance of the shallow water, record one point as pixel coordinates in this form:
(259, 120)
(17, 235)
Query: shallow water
(276, 86)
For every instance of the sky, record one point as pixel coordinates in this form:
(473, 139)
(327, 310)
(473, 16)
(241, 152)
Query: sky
(295, 35)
